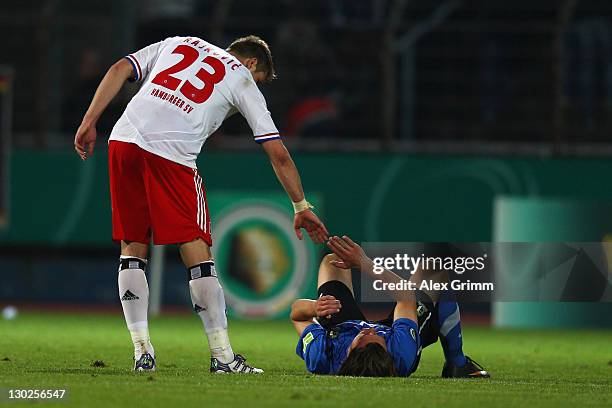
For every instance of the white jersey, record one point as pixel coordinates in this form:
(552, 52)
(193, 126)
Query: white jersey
(189, 87)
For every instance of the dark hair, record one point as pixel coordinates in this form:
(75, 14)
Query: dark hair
(369, 361)
(252, 46)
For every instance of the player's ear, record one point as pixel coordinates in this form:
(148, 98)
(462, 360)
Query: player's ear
(251, 64)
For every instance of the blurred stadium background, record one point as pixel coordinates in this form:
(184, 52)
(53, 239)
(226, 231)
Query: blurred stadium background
(417, 121)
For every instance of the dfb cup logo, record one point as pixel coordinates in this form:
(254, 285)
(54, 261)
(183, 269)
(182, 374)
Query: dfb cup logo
(265, 267)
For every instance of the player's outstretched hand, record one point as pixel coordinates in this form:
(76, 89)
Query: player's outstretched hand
(312, 224)
(85, 140)
(352, 255)
(327, 305)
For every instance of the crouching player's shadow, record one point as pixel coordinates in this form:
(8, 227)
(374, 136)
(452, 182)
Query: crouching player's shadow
(337, 338)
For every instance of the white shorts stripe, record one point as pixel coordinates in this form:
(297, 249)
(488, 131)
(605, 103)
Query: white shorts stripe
(195, 182)
(201, 204)
(204, 220)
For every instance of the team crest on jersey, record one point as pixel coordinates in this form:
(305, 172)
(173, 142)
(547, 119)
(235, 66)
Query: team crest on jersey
(333, 334)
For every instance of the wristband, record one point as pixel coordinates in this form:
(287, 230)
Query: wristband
(302, 206)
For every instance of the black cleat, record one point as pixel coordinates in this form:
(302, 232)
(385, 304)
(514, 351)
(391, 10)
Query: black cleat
(146, 362)
(238, 366)
(471, 369)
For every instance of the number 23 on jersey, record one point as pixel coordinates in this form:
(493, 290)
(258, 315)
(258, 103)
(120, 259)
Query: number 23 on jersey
(189, 90)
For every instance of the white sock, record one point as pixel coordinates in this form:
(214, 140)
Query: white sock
(134, 295)
(140, 337)
(209, 303)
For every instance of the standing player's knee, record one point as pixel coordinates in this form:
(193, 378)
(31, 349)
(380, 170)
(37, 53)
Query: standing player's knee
(195, 252)
(134, 249)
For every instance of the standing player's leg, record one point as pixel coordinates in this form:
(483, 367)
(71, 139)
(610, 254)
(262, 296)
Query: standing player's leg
(131, 227)
(207, 297)
(179, 215)
(134, 295)
(209, 303)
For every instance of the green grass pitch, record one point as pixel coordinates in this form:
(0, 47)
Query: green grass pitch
(529, 368)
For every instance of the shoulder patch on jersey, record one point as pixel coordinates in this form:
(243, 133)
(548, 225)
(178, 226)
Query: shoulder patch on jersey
(413, 334)
(306, 341)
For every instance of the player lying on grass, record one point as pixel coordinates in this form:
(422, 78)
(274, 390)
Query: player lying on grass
(188, 88)
(336, 337)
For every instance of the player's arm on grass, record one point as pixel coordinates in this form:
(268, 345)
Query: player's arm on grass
(289, 177)
(303, 311)
(85, 138)
(354, 257)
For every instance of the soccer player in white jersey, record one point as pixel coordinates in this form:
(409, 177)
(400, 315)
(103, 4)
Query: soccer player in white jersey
(189, 87)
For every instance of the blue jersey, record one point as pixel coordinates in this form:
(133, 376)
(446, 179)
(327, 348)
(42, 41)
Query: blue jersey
(324, 351)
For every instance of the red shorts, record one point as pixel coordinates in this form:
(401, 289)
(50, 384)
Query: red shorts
(153, 196)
